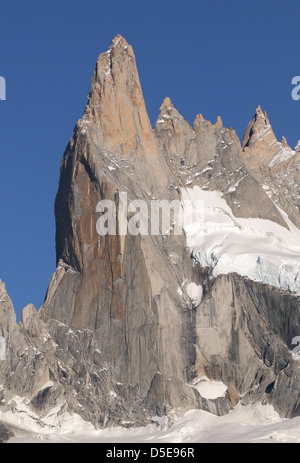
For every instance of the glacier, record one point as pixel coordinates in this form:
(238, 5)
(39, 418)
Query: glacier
(259, 249)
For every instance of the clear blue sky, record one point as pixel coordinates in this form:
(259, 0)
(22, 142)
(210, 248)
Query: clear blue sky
(209, 57)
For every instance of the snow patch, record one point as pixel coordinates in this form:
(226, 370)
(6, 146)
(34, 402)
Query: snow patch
(179, 291)
(210, 389)
(195, 293)
(256, 248)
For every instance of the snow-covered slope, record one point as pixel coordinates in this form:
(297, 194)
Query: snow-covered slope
(256, 248)
(251, 424)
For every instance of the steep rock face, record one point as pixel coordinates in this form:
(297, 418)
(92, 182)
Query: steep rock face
(116, 104)
(259, 139)
(49, 366)
(131, 291)
(123, 288)
(274, 164)
(210, 156)
(260, 145)
(245, 331)
(8, 316)
(130, 323)
(20, 358)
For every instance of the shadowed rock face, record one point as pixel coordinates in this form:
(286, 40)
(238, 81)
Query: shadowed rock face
(5, 433)
(245, 330)
(211, 157)
(123, 288)
(274, 164)
(118, 337)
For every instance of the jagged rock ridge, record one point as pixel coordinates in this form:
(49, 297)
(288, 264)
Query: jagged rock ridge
(119, 338)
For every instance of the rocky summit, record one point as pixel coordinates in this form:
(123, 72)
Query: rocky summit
(133, 325)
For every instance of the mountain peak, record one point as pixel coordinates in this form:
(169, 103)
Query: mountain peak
(219, 122)
(261, 145)
(259, 131)
(284, 142)
(118, 41)
(125, 329)
(116, 100)
(166, 103)
(297, 147)
(201, 122)
(260, 113)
